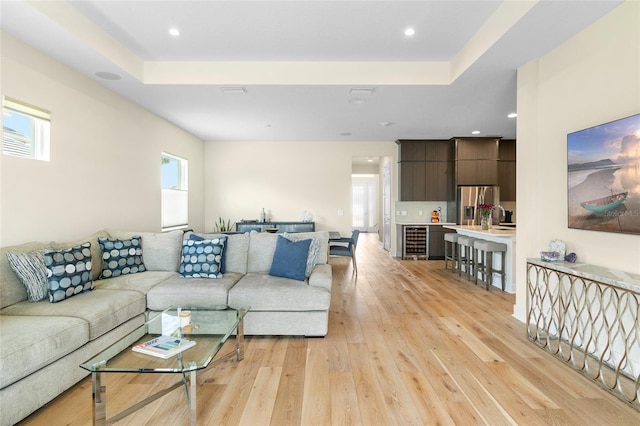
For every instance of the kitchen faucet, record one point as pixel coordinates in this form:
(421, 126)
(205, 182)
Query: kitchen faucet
(503, 213)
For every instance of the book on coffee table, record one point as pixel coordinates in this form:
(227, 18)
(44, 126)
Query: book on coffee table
(164, 346)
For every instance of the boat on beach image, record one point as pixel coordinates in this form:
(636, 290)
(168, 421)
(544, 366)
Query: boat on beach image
(607, 203)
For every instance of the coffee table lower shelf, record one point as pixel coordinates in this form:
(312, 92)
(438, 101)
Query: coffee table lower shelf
(209, 327)
(188, 381)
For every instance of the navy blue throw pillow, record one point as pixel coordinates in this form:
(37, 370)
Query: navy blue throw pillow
(290, 259)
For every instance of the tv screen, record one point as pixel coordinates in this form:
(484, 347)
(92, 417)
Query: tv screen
(603, 177)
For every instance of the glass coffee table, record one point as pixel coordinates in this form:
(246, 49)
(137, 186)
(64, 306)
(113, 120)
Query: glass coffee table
(209, 328)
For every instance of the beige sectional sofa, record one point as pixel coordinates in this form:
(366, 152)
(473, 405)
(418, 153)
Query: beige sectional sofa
(43, 343)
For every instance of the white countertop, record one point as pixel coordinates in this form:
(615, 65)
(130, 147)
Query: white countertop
(478, 230)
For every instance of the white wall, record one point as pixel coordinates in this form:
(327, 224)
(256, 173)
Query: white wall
(105, 157)
(286, 178)
(591, 79)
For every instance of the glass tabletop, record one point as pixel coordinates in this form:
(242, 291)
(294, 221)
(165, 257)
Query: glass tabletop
(208, 328)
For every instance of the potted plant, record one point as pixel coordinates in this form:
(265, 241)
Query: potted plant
(222, 225)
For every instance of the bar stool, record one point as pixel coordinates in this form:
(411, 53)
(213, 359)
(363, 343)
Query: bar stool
(466, 255)
(451, 240)
(484, 261)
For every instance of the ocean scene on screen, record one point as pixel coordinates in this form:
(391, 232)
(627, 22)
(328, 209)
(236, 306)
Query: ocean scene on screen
(603, 177)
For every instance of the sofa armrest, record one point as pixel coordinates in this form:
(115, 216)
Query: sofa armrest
(321, 276)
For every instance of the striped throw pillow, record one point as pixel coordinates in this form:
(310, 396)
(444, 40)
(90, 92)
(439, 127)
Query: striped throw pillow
(29, 267)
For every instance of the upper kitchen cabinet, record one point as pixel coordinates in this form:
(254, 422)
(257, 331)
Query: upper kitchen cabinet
(507, 169)
(424, 170)
(412, 150)
(476, 148)
(476, 160)
(423, 150)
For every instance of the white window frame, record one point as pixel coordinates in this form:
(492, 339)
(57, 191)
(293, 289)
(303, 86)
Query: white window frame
(175, 199)
(35, 145)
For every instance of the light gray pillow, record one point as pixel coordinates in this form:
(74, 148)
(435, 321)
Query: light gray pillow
(162, 250)
(29, 267)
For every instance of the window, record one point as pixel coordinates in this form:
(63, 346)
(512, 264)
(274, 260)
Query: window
(175, 195)
(25, 130)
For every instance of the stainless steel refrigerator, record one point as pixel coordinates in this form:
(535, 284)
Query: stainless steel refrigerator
(468, 199)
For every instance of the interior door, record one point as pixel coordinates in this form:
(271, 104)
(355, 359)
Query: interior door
(364, 208)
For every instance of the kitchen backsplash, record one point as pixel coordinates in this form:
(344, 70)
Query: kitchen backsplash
(409, 211)
(419, 211)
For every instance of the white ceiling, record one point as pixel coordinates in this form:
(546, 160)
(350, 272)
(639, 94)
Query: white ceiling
(298, 61)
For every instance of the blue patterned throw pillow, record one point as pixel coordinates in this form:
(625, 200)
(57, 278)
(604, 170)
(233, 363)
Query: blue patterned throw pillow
(121, 257)
(223, 241)
(202, 259)
(68, 272)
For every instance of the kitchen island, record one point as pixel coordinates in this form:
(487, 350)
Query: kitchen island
(498, 234)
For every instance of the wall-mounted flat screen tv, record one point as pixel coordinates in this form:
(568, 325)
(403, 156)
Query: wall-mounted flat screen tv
(604, 177)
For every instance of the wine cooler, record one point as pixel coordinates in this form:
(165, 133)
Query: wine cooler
(414, 242)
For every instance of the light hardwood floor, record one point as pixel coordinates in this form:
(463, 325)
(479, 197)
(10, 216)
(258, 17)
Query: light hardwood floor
(409, 344)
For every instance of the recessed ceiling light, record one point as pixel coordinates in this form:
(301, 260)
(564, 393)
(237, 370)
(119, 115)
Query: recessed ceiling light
(386, 123)
(357, 101)
(174, 32)
(512, 115)
(233, 90)
(409, 32)
(108, 75)
(362, 90)
(475, 132)
(345, 134)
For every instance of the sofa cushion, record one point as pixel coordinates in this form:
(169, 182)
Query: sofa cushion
(191, 292)
(138, 282)
(103, 310)
(264, 292)
(290, 259)
(161, 250)
(30, 269)
(262, 245)
(202, 259)
(68, 272)
(121, 257)
(96, 254)
(28, 343)
(235, 251)
(12, 290)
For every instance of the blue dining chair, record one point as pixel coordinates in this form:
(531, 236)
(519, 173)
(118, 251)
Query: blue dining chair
(345, 247)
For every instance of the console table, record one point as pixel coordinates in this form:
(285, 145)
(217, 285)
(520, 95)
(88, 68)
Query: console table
(248, 226)
(588, 317)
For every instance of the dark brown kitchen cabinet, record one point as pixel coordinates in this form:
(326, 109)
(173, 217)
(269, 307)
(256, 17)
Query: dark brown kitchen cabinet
(424, 170)
(413, 180)
(507, 150)
(507, 170)
(478, 148)
(437, 175)
(477, 172)
(412, 150)
(476, 161)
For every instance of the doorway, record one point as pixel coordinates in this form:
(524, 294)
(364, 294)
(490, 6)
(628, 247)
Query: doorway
(365, 204)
